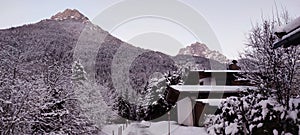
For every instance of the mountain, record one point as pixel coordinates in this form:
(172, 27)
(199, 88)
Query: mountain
(42, 55)
(70, 14)
(200, 49)
(35, 77)
(39, 58)
(198, 63)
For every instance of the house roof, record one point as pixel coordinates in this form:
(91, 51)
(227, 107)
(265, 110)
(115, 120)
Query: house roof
(289, 34)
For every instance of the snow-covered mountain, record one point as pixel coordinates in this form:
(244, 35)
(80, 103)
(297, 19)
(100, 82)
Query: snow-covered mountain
(45, 51)
(200, 49)
(43, 54)
(70, 14)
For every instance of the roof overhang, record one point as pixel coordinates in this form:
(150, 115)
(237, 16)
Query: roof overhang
(289, 34)
(288, 40)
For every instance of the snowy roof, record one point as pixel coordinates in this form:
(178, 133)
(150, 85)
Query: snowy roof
(214, 102)
(217, 71)
(209, 88)
(292, 38)
(289, 34)
(289, 27)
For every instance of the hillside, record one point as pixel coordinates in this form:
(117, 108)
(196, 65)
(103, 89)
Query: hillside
(43, 53)
(38, 59)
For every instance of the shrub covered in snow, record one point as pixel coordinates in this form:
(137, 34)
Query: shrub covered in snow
(255, 113)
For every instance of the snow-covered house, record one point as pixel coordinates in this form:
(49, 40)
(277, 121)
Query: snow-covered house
(202, 89)
(289, 35)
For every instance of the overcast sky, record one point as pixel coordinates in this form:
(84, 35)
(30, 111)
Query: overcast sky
(229, 20)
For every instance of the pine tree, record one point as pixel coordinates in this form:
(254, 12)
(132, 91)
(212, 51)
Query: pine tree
(90, 99)
(78, 73)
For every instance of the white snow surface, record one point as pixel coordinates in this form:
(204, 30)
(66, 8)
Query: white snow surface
(292, 25)
(275, 132)
(213, 102)
(289, 27)
(291, 33)
(157, 128)
(209, 88)
(231, 129)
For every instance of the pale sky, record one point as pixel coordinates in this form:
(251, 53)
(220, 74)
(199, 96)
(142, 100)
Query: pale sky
(229, 20)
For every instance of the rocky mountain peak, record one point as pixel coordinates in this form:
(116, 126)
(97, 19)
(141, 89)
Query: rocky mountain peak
(195, 49)
(70, 14)
(200, 49)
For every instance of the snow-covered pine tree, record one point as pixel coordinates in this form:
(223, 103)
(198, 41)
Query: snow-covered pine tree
(78, 73)
(90, 99)
(152, 103)
(159, 105)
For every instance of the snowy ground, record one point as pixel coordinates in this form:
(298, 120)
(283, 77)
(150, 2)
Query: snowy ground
(156, 128)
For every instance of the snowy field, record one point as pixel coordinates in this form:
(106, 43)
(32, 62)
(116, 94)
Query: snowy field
(156, 128)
